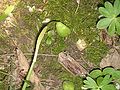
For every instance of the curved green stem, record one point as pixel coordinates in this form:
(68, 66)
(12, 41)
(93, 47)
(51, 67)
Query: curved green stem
(40, 37)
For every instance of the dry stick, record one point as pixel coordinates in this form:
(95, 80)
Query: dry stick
(30, 54)
(40, 37)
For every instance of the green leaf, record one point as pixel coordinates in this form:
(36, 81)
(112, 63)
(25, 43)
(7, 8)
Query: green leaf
(106, 80)
(108, 70)
(118, 19)
(103, 23)
(49, 40)
(86, 82)
(95, 73)
(86, 87)
(116, 74)
(3, 17)
(117, 7)
(99, 80)
(104, 12)
(111, 29)
(9, 9)
(62, 29)
(117, 27)
(91, 83)
(67, 85)
(109, 8)
(109, 87)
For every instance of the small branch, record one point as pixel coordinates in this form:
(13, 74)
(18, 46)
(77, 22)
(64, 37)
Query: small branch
(30, 54)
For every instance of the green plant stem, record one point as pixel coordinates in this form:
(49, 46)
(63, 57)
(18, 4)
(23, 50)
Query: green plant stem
(40, 37)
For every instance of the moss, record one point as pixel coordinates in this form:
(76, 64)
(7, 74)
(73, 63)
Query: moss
(96, 51)
(55, 69)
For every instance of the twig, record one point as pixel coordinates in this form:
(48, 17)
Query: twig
(30, 54)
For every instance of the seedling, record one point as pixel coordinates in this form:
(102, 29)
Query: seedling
(62, 30)
(105, 79)
(50, 37)
(110, 18)
(7, 12)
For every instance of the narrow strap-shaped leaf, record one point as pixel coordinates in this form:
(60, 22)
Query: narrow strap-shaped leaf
(104, 12)
(103, 23)
(111, 29)
(9, 9)
(3, 17)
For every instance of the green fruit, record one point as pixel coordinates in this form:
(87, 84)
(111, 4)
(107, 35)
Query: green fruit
(67, 85)
(62, 29)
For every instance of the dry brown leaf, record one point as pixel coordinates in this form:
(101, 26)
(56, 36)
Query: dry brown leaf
(105, 37)
(24, 66)
(71, 65)
(111, 59)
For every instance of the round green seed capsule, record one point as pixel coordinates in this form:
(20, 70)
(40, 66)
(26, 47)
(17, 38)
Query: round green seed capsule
(62, 29)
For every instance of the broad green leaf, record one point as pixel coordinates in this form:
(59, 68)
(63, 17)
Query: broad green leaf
(3, 17)
(108, 70)
(109, 87)
(99, 80)
(62, 29)
(67, 85)
(117, 27)
(116, 74)
(118, 19)
(103, 23)
(109, 8)
(9, 9)
(89, 83)
(95, 73)
(111, 29)
(92, 83)
(106, 80)
(104, 12)
(117, 7)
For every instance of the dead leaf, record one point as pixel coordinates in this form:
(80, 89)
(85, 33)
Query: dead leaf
(71, 65)
(24, 66)
(111, 59)
(106, 38)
